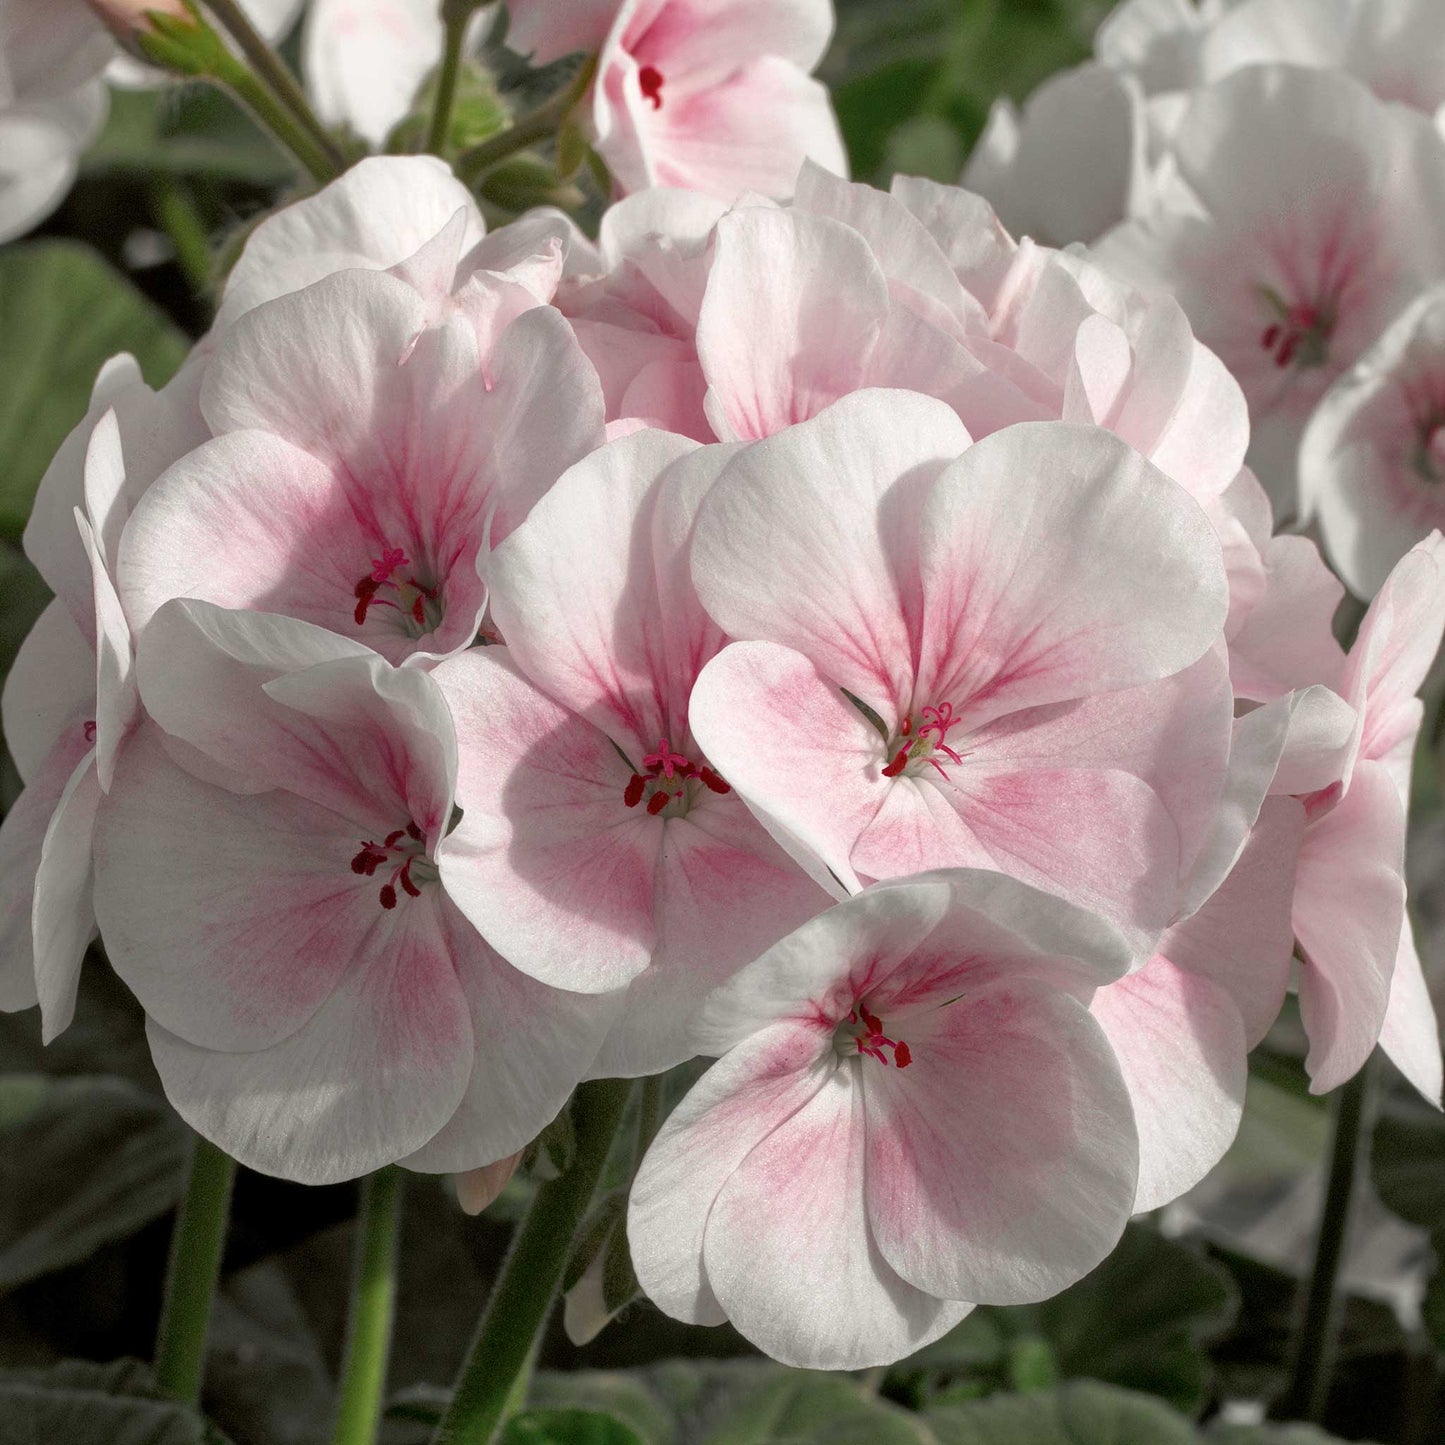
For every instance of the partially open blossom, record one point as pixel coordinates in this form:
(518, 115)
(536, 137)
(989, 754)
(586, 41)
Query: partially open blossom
(268, 883)
(362, 465)
(1005, 660)
(714, 95)
(1373, 456)
(599, 845)
(912, 1110)
(1305, 213)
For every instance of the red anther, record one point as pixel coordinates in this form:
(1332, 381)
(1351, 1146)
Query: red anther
(418, 610)
(89, 731)
(635, 789)
(388, 896)
(657, 802)
(1270, 339)
(897, 765)
(717, 784)
(873, 1023)
(907, 726)
(359, 616)
(412, 831)
(392, 839)
(1286, 352)
(902, 1055)
(405, 876)
(650, 79)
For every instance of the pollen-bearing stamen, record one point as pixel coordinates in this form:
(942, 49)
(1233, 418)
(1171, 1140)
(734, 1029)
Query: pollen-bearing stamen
(649, 78)
(667, 779)
(862, 1033)
(925, 743)
(418, 602)
(405, 851)
(1301, 331)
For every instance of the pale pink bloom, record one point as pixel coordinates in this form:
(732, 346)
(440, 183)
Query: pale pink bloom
(1360, 981)
(52, 103)
(714, 95)
(1396, 47)
(599, 846)
(366, 59)
(477, 1188)
(267, 882)
(1373, 456)
(546, 31)
(362, 465)
(634, 300)
(1158, 41)
(1017, 628)
(912, 1110)
(407, 215)
(69, 700)
(1304, 213)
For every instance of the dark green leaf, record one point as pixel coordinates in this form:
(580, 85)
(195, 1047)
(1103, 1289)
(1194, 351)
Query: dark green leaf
(1077, 1414)
(568, 1427)
(63, 312)
(83, 1162)
(78, 1403)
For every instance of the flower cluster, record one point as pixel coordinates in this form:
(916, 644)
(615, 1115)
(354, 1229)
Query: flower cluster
(806, 628)
(1278, 166)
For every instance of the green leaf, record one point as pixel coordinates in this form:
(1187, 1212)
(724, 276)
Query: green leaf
(568, 1427)
(81, 1403)
(1268, 1435)
(63, 311)
(83, 1163)
(1141, 1320)
(1077, 1414)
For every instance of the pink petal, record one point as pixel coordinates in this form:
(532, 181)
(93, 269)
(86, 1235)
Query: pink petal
(1180, 1044)
(734, 1106)
(793, 305)
(1411, 1034)
(374, 1072)
(49, 690)
(1029, 566)
(1349, 909)
(1001, 1162)
(834, 500)
(790, 1254)
(547, 862)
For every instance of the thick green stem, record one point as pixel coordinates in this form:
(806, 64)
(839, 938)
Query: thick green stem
(373, 1311)
(180, 220)
(276, 76)
(543, 122)
(195, 1266)
(523, 1296)
(446, 91)
(1317, 1334)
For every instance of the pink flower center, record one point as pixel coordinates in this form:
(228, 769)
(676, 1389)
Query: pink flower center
(392, 583)
(650, 79)
(670, 779)
(924, 744)
(403, 855)
(1300, 331)
(862, 1033)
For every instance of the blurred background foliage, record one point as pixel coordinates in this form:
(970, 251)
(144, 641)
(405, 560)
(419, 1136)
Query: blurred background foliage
(1189, 1319)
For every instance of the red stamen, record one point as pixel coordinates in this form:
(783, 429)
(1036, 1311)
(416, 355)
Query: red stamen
(657, 802)
(388, 896)
(635, 789)
(89, 731)
(711, 779)
(897, 765)
(405, 876)
(902, 1055)
(650, 79)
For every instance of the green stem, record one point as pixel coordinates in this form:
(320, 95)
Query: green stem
(446, 96)
(373, 1310)
(274, 73)
(649, 1116)
(195, 1266)
(249, 90)
(1317, 1335)
(177, 214)
(473, 164)
(528, 1283)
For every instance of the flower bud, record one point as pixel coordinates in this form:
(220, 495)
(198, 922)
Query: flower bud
(127, 17)
(477, 1188)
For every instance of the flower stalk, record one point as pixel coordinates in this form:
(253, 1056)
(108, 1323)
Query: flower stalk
(548, 118)
(1317, 1334)
(524, 1292)
(373, 1311)
(195, 1266)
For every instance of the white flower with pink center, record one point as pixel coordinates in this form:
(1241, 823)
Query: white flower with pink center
(1005, 660)
(267, 881)
(600, 846)
(912, 1111)
(1372, 462)
(1304, 214)
(363, 465)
